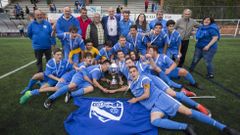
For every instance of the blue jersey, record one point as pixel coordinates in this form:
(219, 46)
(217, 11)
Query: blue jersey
(139, 42)
(93, 72)
(163, 61)
(204, 35)
(57, 69)
(70, 44)
(137, 89)
(159, 40)
(162, 21)
(124, 27)
(126, 49)
(104, 53)
(40, 34)
(174, 41)
(141, 30)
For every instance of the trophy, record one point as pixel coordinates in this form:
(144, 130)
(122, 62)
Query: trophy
(113, 70)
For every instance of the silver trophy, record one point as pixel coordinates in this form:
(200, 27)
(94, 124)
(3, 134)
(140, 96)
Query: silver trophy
(113, 69)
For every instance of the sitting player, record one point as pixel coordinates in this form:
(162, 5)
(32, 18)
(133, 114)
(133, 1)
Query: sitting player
(123, 45)
(163, 106)
(81, 83)
(74, 45)
(105, 53)
(174, 42)
(55, 68)
(65, 80)
(169, 67)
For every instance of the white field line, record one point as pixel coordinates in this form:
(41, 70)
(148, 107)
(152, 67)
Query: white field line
(20, 68)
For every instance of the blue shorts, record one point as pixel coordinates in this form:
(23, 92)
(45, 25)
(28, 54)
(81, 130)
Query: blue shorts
(79, 81)
(174, 73)
(166, 104)
(49, 81)
(159, 83)
(172, 54)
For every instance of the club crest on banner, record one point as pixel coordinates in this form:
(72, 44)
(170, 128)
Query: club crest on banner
(106, 111)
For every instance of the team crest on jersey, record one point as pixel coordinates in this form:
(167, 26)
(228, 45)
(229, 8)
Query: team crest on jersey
(44, 26)
(106, 111)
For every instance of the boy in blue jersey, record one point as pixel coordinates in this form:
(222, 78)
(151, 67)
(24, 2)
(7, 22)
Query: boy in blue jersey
(123, 45)
(106, 53)
(163, 106)
(65, 80)
(174, 42)
(169, 67)
(125, 24)
(82, 83)
(137, 40)
(158, 38)
(55, 68)
(72, 42)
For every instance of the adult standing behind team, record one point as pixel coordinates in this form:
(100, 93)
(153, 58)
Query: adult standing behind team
(110, 26)
(39, 31)
(95, 31)
(84, 21)
(159, 19)
(185, 26)
(65, 22)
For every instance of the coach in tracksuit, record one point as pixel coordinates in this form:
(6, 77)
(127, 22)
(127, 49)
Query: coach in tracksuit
(39, 31)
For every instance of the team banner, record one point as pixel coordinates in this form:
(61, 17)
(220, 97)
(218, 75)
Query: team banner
(106, 116)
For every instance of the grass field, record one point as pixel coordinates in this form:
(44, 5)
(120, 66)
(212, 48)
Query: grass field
(33, 119)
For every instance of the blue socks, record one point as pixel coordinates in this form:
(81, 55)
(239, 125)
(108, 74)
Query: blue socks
(169, 124)
(183, 98)
(205, 119)
(189, 77)
(78, 92)
(59, 92)
(166, 79)
(35, 92)
(31, 83)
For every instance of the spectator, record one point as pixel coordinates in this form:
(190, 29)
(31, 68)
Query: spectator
(159, 19)
(95, 31)
(146, 2)
(142, 25)
(207, 36)
(184, 26)
(27, 11)
(35, 7)
(110, 26)
(153, 6)
(125, 24)
(39, 31)
(51, 8)
(64, 23)
(84, 21)
(21, 29)
(119, 9)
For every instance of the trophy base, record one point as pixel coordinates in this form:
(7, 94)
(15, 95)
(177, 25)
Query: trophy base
(113, 86)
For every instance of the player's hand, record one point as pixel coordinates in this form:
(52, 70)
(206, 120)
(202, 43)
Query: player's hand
(108, 81)
(61, 80)
(133, 100)
(206, 48)
(121, 82)
(167, 71)
(70, 61)
(148, 56)
(105, 90)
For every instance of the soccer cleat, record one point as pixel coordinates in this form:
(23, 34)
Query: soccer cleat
(23, 91)
(47, 103)
(188, 93)
(204, 110)
(230, 131)
(190, 130)
(67, 97)
(210, 76)
(25, 97)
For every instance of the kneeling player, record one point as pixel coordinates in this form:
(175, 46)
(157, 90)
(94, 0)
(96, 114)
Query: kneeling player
(55, 68)
(162, 105)
(65, 80)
